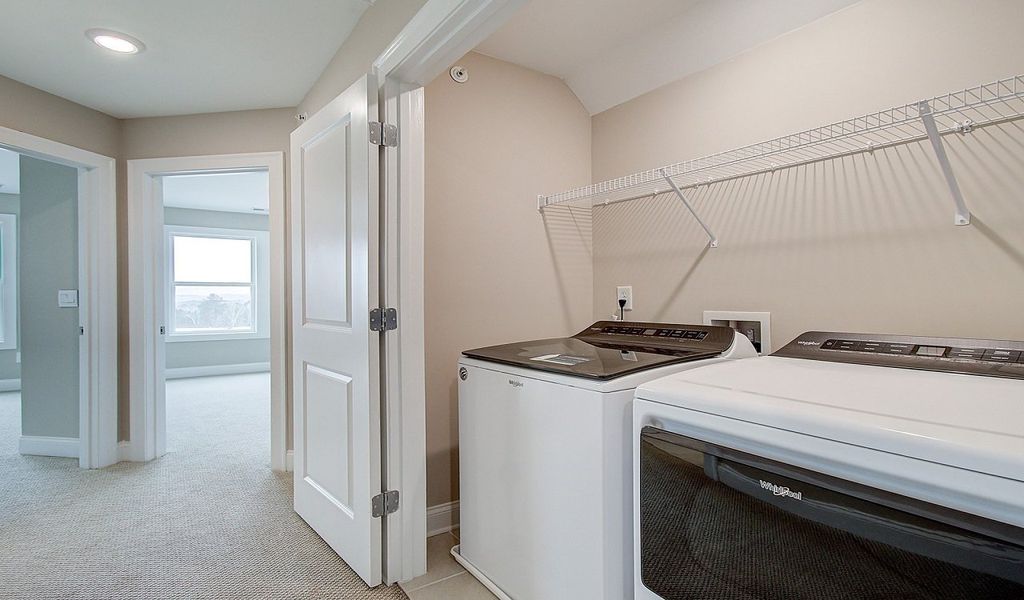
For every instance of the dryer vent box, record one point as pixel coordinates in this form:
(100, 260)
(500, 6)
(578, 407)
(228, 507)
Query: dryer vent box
(757, 326)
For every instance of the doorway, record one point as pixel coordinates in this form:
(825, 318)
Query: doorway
(217, 304)
(206, 294)
(58, 333)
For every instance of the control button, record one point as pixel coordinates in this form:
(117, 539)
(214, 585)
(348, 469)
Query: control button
(897, 349)
(677, 334)
(846, 345)
(663, 332)
(1001, 355)
(691, 335)
(967, 353)
(872, 347)
(829, 344)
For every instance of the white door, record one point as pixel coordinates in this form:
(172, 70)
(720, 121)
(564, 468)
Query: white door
(335, 284)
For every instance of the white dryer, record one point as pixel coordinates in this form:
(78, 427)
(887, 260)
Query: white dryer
(544, 454)
(844, 466)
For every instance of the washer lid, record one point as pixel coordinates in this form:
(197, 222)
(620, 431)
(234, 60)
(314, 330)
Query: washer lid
(572, 356)
(965, 421)
(609, 349)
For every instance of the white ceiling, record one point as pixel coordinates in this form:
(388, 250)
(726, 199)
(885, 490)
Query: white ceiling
(10, 172)
(229, 192)
(611, 51)
(201, 55)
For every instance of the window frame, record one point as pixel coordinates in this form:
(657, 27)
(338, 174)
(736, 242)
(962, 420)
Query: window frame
(260, 240)
(9, 282)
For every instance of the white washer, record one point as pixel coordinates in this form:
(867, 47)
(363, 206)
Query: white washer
(843, 466)
(544, 454)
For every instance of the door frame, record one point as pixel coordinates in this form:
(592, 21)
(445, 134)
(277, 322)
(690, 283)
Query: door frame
(148, 427)
(439, 34)
(97, 278)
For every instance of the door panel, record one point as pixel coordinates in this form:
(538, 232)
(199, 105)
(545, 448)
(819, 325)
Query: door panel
(336, 380)
(326, 255)
(328, 411)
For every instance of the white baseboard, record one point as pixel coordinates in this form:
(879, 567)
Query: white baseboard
(10, 385)
(442, 518)
(124, 451)
(40, 445)
(212, 370)
(289, 461)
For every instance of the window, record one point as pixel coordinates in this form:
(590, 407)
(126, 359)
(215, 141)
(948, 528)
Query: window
(8, 282)
(214, 283)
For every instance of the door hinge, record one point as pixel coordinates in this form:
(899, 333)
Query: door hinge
(383, 320)
(384, 504)
(382, 134)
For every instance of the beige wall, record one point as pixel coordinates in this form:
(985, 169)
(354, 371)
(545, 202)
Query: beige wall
(495, 270)
(214, 133)
(34, 111)
(378, 26)
(864, 243)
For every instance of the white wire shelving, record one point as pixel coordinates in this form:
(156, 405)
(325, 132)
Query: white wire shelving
(956, 112)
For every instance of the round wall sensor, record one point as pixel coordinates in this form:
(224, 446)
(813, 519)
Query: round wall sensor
(460, 74)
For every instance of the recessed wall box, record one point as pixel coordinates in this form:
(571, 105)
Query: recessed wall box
(757, 326)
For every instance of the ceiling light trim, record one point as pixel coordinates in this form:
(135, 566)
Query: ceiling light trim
(115, 41)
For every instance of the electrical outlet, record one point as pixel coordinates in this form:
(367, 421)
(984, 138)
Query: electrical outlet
(624, 292)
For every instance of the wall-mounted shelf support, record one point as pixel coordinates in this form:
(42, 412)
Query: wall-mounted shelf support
(712, 240)
(963, 215)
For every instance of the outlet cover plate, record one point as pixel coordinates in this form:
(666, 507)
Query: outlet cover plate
(624, 291)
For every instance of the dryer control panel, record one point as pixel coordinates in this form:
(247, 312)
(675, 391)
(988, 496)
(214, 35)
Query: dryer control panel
(994, 358)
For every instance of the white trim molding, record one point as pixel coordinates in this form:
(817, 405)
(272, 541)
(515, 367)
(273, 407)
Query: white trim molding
(146, 299)
(442, 518)
(289, 461)
(41, 445)
(216, 370)
(9, 281)
(97, 283)
(10, 385)
(441, 32)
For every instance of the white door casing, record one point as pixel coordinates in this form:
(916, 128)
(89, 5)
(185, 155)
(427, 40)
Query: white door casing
(97, 281)
(147, 295)
(335, 355)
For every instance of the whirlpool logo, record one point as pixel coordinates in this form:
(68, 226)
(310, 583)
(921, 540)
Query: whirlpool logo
(779, 490)
(515, 383)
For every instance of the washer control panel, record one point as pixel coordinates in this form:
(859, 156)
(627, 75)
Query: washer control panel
(658, 337)
(996, 358)
(660, 331)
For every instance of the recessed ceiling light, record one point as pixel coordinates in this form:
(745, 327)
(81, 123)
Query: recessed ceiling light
(115, 41)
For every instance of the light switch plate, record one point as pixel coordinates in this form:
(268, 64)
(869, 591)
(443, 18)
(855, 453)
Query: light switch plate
(67, 298)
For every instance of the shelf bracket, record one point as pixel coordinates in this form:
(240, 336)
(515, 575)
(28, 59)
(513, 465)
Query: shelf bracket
(963, 215)
(712, 240)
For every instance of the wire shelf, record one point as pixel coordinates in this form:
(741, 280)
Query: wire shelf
(960, 111)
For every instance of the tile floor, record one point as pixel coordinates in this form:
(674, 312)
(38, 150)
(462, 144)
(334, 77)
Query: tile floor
(445, 579)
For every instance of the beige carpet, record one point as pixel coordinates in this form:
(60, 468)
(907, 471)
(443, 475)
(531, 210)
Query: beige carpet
(208, 520)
